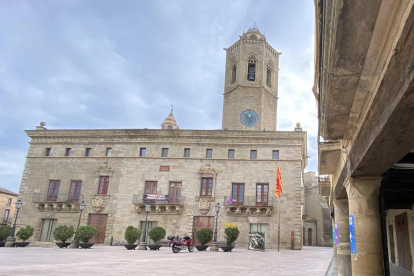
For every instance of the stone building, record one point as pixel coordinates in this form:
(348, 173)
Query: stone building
(112, 171)
(7, 207)
(317, 223)
(364, 85)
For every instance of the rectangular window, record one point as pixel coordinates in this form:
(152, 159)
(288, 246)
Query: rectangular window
(269, 78)
(164, 152)
(262, 194)
(275, 154)
(48, 226)
(174, 192)
(53, 191)
(151, 224)
(74, 192)
(237, 193)
(142, 152)
(251, 75)
(103, 185)
(209, 153)
(233, 74)
(150, 188)
(88, 152)
(108, 152)
(6, 216)
(48, 151)
(253, 154)
(206, 186)
(68, 151)
(231, 154)
(9, 201)
(186, 152)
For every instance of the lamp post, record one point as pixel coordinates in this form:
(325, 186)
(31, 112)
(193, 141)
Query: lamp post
(214, 245)
(11, 239)
(81, 207)
(143, 244)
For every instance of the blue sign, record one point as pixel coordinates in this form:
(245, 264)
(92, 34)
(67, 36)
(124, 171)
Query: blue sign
(337, 233)
(352, 234)
(333, 236)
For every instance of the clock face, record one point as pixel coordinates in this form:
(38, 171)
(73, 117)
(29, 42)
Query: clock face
(249, 118)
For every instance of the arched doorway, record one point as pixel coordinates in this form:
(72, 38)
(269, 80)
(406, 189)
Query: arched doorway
(310, 236)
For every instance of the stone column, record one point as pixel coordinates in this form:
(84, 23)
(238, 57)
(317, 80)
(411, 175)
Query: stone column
(343, 252)
(363, 195)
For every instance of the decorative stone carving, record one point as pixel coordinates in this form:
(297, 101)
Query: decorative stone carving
(49, 206)
(139, 209)
(105, 168)
(238, 211)
(168, 209)
(228, 211)
(268, 212)
(178, 209)
(258, 211)
(204, 206)
(40, 206)
(207, 169)
(157, 209)
(98, 204)
(248, 211)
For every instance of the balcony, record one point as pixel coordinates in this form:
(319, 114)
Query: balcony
(329, 155)
(324, 185)
(249, 206)
(61, 202)
(166, 207)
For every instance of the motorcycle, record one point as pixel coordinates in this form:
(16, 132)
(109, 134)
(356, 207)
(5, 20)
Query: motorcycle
(178, 245)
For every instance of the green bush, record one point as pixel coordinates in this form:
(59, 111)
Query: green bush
(85, 233)
(231, 234)
(204, 235)
(156, 234)
(25, 233)
(5, 231)
(132, 234)
(63, 233)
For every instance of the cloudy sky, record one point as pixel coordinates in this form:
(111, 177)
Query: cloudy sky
(121, 64)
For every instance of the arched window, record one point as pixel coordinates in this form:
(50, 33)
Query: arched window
(170, 127)
(251, 69)
(6, 215)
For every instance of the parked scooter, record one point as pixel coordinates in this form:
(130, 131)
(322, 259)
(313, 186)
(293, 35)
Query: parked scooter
(178, 245)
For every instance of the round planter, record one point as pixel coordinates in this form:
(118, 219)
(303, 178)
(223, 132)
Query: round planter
(201, 247)
(227, 248)
(63, 244)
(86, 245)
(2, 244)
(130, 246)
(154, 246)
(21, 244)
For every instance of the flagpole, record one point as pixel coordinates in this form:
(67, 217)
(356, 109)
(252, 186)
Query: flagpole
(278, 226)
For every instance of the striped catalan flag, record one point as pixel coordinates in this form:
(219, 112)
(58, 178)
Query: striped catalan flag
(278, 190)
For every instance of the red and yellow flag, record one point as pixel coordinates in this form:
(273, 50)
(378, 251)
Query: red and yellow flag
(278, 190)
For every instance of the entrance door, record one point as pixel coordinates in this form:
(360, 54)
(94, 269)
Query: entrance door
(99, 222)
(48, 225)
(261, 228)
(151, 224)
(202, 222)
(310, 236)
(392, 244)
(403, 242)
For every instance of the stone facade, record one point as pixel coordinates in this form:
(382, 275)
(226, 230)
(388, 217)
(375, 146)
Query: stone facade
(7, 206)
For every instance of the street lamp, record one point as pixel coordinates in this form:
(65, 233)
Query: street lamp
(18, 204)
(214, 245)
(143, 245)
(81, 207)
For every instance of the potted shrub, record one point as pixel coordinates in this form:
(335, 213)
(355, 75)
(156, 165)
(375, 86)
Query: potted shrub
(84, 234)
(156, 234)
(132, 234)
(63, 233)
(231, 234)
(24, 234)
(5, 231)
(203, 235)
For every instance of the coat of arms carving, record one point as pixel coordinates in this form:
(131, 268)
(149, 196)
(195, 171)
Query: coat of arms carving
(98, 204)
(204, 206)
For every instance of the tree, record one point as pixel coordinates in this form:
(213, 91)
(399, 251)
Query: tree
(132, 234)
(231, 234)
(85, 233)
(156, 234)
(5, 231)
(204, 235)
(25, 233)
(63, 233)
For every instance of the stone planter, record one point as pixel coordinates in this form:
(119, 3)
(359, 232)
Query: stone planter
(21, 244)
(201, 247)
(63, 244)
(227, 248)
(130, 246)
(86, 245)
(154, 246)
(2, 244)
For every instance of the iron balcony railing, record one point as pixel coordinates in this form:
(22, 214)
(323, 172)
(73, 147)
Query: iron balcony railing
(139, 199)
(248, 201)
(44, 197)
(324, 178)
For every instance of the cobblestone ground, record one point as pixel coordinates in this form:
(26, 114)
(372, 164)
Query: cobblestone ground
(116, 260)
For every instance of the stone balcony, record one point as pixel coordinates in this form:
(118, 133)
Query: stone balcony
(168, 207)
(249, 206)
(324, 185)
(61, 202)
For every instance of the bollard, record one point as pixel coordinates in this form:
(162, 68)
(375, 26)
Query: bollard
(291, 240)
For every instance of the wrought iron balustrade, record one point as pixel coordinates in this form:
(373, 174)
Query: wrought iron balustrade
(323, 178)
(61, 197)
(248, 201)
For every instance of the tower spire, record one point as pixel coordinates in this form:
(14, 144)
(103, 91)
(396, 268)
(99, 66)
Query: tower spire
(170, 122)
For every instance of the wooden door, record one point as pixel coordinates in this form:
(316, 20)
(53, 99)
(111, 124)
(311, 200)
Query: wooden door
(403, 242)
(99, 222)
(310, 236)
(202, 222)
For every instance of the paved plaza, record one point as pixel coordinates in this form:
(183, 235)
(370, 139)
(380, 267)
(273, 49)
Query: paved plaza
(116, 260)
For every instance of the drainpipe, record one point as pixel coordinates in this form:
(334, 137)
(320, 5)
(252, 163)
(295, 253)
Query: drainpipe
(384, 226)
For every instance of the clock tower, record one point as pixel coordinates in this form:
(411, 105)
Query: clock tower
(251, 81)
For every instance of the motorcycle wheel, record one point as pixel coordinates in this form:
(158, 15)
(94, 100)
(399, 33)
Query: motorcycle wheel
(190, 248)
(175, 249)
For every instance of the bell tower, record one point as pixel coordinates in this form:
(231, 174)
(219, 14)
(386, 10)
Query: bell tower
(251, 81)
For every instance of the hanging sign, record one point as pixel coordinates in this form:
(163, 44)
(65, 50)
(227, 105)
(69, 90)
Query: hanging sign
(337, 233)
(229, 224)
(352, 234)
(151, 197)
(333, 235)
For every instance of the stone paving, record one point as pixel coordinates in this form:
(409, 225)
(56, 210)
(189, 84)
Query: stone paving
(116, 260)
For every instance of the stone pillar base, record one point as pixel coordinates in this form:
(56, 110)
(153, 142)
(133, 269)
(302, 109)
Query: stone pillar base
(214, 247)
(74, 244)
(10, 242)
(142, 246)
